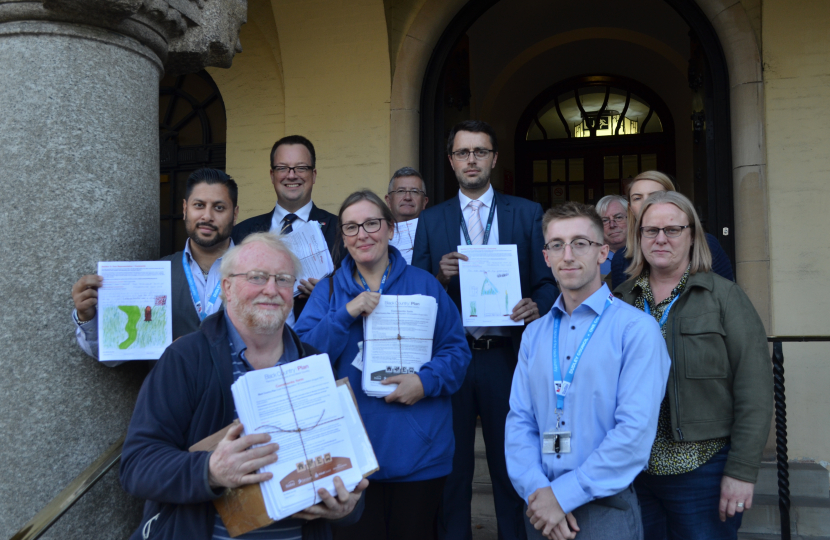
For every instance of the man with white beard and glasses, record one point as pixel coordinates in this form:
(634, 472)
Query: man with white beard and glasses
(210, 211)
(187, 397)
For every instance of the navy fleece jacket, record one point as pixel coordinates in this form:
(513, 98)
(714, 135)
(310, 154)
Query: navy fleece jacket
(411, 442)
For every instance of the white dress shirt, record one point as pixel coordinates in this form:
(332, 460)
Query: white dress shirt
(276, 226)
(280, 213)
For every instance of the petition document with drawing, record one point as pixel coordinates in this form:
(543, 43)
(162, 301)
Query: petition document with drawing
(490, 286)
(299, 406)
(135, 316)
(309, 245)
(397, 340)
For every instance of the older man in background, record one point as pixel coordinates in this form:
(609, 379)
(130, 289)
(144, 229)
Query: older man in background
(613, 209)
(407, 198)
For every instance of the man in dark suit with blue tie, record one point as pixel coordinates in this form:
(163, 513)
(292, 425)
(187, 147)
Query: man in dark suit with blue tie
(293, 173)
(479, 215)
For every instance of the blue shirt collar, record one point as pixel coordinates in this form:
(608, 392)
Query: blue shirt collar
(596, 301)
(238, 347)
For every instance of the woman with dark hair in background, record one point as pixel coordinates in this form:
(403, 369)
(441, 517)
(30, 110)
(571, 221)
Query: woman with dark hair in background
(411, 428)
(715, 417)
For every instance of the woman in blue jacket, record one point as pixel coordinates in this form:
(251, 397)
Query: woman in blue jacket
(410, 429)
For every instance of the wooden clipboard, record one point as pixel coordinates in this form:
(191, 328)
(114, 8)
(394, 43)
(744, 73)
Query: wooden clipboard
(243, 509)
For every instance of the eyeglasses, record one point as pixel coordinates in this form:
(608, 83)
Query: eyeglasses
(619, 218)
(671, 232)
(463, 155)
(580, 246)
(402, 192)
(370, 226)
(299, 169)
(260, 279)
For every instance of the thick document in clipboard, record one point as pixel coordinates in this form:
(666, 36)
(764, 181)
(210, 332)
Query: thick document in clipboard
(243, 509)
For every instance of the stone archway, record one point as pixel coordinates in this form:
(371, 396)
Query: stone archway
(731, 24)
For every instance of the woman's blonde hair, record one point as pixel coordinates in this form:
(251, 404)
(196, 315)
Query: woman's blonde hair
(655, 176)
(701, 257)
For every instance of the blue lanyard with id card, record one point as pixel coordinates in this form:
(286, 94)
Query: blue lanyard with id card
(194, 294)
(559, 442)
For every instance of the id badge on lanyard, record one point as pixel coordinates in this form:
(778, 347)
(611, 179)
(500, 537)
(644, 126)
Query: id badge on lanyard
(559, 441)
(194, 294)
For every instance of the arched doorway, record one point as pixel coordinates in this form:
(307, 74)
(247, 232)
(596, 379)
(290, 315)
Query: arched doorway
(581, 138)
(192, 135)
(706, 167)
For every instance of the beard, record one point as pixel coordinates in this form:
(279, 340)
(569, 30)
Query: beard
(256, 320)
(474, 184)
(221, 234)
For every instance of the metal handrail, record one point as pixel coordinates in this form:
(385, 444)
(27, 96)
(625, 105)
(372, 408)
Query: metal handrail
(65, 499)
(781, 423)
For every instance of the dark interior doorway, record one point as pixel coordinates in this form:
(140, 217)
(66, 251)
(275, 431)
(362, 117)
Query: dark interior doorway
(192, 131)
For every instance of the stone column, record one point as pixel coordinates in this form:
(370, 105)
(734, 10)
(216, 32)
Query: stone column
(79, 182)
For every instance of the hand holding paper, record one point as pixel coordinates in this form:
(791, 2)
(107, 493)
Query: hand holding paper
(334, 507)
(410, 390)
(526, 310)
(448, 267)
(234, 462)
(363, 304)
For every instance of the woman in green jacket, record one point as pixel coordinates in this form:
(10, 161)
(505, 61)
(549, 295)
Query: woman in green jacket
(715, 417)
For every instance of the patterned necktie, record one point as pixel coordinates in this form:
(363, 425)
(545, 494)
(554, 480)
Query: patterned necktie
(476, 231)
(474, 226)
(286, 224)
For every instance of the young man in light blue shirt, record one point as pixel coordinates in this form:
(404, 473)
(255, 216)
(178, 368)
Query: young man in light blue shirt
(583, 406)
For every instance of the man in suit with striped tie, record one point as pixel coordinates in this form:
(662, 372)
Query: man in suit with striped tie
(480, 216)
(293, 174)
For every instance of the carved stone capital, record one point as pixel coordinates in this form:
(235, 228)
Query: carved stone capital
(186, 35)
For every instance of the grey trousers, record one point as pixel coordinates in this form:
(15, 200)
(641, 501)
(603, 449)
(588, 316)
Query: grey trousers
(598, 521)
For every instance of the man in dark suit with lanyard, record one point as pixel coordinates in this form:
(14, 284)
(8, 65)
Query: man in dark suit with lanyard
(479, 215)
(293, 173)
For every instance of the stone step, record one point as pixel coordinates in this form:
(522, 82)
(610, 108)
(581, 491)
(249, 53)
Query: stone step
(809, 516)
(483, 511)
(806, 480)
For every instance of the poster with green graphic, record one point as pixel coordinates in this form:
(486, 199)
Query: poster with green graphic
(134, 313)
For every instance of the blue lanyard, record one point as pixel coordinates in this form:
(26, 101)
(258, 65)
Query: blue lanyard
(561, 386)
(382, 281)
(486, 229)
(665, 311)
(194, 294)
